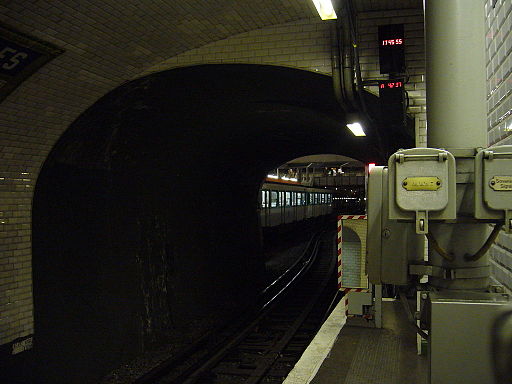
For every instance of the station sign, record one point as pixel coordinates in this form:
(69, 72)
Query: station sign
(20, 56)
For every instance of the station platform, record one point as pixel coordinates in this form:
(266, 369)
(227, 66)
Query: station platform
(345, 351)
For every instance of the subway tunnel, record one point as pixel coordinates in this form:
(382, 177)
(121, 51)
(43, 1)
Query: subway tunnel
(145, 224)
(135, 138)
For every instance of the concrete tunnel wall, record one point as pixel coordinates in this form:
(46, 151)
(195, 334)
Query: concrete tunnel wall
(145, 229)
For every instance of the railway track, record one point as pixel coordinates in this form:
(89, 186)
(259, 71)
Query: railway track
(265, 347)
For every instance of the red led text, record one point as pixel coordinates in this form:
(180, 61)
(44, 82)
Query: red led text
(393, 84)
(393, 42)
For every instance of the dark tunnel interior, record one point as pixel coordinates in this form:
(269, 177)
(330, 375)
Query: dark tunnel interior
(145, 225)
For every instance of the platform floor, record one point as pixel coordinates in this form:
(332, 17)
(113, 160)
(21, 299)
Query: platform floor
(365, 355)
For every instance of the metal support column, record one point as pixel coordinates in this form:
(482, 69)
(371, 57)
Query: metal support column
(456, 111)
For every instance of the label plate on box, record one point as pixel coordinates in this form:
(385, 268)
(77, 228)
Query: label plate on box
(424, 183)
(501, 183)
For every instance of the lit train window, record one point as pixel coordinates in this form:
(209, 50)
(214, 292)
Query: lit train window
(264, 199)
(281, 199)
(273, 199)
(288, 199)
(299, 198)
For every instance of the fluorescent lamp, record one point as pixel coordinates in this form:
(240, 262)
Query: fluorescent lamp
(356, 129)
(325, 9)
(286, 178)
(272, 177)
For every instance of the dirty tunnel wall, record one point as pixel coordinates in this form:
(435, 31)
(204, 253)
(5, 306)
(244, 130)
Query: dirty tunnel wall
(145, 229)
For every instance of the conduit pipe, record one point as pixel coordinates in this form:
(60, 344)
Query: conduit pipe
(455, 62)
(337, 75)
(456, 113)
(342, 61)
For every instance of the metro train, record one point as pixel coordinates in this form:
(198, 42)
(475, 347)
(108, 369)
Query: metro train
(286, 202)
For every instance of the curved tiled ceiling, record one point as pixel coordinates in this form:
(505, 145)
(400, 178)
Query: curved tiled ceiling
(140, 28)
(164, 27)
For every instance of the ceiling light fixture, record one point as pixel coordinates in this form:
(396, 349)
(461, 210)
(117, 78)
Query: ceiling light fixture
(356, 129)
(325, 9)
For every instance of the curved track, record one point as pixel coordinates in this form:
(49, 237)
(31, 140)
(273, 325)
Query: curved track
(265, 348)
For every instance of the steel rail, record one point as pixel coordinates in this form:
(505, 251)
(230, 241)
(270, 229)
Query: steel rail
(254, 372)
(266, 297)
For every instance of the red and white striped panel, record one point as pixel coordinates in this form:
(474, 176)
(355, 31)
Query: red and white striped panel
(339, 252)
(340, 218)
(347, 290)
(345, 296)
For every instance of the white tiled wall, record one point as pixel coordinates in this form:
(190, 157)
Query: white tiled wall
(353, 254)
(351, 276)
(304, 44)
(499, 104)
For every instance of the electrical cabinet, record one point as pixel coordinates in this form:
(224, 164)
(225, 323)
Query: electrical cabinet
(391, 245)
(460, 336)
(422, 186)
(493, 184)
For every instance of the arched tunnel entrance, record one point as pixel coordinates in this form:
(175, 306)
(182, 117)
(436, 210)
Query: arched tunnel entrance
(145, 225)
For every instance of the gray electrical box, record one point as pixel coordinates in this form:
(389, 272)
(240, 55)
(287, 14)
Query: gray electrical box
(391, 245)
(460, 336)
(493, 184)
(422, 186)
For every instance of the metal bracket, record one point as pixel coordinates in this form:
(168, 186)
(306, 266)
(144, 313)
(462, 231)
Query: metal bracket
(489, 155)
(447, 273)
(422, 222)
(400, 157)
(426, 269)
(496, 289)
(469, 273)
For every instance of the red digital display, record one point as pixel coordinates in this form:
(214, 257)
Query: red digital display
(391, 84)
(392, 42)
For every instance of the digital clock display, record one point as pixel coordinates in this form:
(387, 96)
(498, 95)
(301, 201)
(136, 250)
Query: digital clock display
(392, 100)
(391, 84)
(391, 48)
(392, 42)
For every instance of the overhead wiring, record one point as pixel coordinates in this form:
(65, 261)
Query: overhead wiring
(358, 76)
